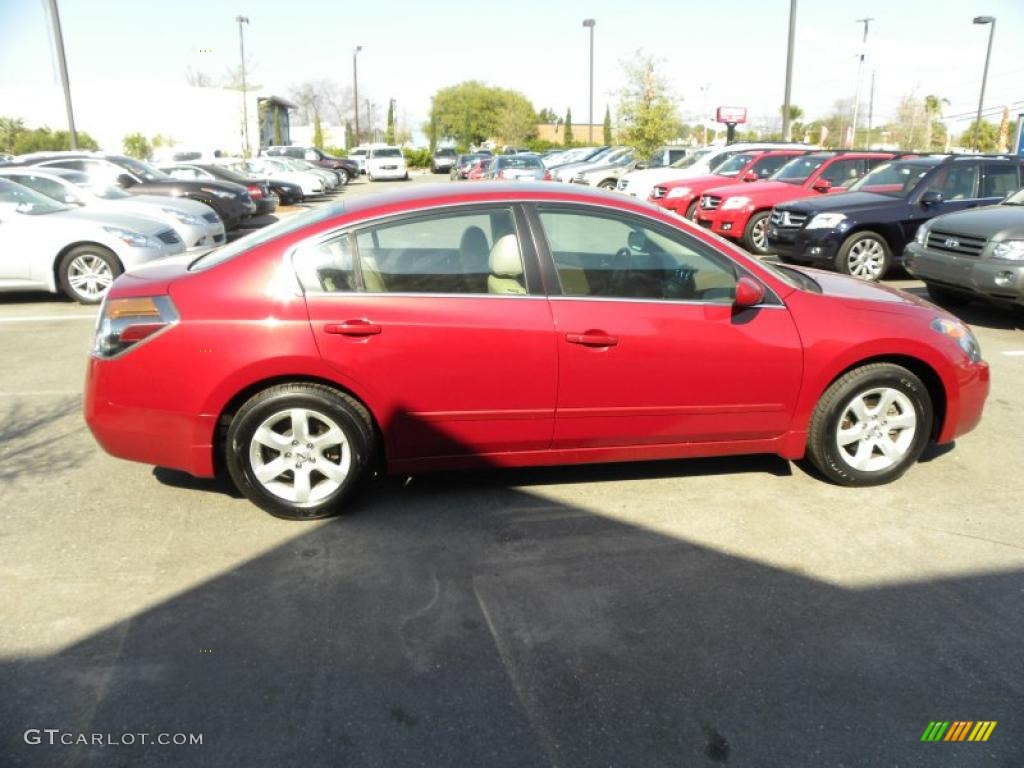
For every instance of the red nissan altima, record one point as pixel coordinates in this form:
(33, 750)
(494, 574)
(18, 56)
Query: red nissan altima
(511, 325)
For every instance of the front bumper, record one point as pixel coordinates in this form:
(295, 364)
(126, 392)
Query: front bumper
(810, 246)
(201, 236)
(132, 257)
(729, 224)
(1000, 281)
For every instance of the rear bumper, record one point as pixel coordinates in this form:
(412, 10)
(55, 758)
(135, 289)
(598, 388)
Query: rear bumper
(1000, 281)
(813, 246)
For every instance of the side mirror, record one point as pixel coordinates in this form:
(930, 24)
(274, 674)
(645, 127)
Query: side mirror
(640, 166)
(124, 180)
(750, 176)
(749, 292)
(822, 185)
(931, 198)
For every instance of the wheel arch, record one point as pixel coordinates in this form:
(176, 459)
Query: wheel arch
(54, 276)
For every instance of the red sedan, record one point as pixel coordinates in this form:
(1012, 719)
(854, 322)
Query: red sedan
(511, 325)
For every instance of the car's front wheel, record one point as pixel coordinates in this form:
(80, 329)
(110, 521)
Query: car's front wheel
(343, 177)
(870, 425)
(755, 235)
(87, 271)
(608, 184)
(297, 450)
(691, 210)
(865, 255)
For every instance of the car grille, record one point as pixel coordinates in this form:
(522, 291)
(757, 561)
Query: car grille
(950, 242)
(169, 236)
(658, 193)
(213, 218)
(788, 219)
(710, 202)
(622, 186)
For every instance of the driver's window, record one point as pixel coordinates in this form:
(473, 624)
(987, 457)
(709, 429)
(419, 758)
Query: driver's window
(956, 181)
(600, 254)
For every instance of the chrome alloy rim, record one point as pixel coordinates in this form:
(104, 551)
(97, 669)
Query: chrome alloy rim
(89, 276)
(300, 455)
(866, 259)
(876, 429)
(757, 235)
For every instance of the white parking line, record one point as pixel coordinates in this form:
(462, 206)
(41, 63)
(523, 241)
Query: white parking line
(1014, 353)
(44, 318)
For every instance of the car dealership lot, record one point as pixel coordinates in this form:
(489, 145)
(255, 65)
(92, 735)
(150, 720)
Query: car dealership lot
(677, 613)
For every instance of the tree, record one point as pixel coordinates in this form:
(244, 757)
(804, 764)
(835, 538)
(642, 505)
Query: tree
(988, 136)
(647, 109)
(932, 111)
(309, 96)
(389, 133)
(349, 138)
(44, 140)
(277, 126)
(318, 132)
(432, 133)
(568, 137)
(197, 78)
(10, 129)
(547, 116)
(607, 125)
(136, 145)
(471, 111)
(910, 128)
(829, 132)
(1003, 139)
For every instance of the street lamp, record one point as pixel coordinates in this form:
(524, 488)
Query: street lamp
(58, 38)
(789, 74)
(355, 88)
(245, 106)
(590, 119)
(981, 99)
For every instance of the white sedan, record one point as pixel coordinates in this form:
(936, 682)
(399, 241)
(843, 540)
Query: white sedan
(386, 163)
(50, 246)
(267, 167)
(198, 225)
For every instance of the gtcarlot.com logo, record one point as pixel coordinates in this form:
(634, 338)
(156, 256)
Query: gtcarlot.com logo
(958, 730)
(57, 737)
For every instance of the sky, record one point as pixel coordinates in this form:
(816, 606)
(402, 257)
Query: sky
(735, 50)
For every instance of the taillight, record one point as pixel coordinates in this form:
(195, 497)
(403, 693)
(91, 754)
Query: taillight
(124, 323)
(255, 192)
(547, 176)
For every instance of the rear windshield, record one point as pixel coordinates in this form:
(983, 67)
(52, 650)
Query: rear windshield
(386, 153)
(448, 151)
(519, 161)
(265, 235)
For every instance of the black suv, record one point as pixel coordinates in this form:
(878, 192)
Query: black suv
(863, 231)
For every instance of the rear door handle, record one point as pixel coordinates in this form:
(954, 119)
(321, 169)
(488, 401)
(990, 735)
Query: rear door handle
(592, 339)
(353, 328)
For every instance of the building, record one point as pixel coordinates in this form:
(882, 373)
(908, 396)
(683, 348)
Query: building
(555, 132)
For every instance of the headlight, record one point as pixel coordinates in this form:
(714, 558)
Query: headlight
(961, 334)
(219, 193)
(826, 221)
(732, 203)
(1011, 250)
(184, 218)
(678, 192)
(922, 235)
(136, 239)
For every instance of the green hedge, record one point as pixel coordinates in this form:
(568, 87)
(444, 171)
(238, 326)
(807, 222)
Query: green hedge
(417, 158)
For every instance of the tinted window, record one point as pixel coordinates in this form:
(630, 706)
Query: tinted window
(467, 252)
(52, 189)
(796, 171)
(1000, 179)
(842, 173)
(24, 200)
(896, 179)
(390, 152)
(518, 161)
(606, 255)
(766, 166)
(74, 165)
(956, 181)
(734, 164)
(326, 267)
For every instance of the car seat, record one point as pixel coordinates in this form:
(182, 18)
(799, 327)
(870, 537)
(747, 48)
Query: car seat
(506, 267)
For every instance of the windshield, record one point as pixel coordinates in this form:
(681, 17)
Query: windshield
(447, 152)
(896, 179)
(265, 235)
(734, 165)
(796, 171)
(690, 160)
(519, 161)
(142, 170)
(389, 152)
(26, 201)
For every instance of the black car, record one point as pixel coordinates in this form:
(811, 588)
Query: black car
(863, 231)
(259, 190)
(345, 168)
(232, 202)
(975, 254)
(443, 160)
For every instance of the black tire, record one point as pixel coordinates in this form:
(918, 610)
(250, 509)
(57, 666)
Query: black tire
(756, 232)
(947, 297)
(406, 178)
(100, 262)
(691, 210)
(823, 448)
(846, 258)
(343, 177)
(608, 184)
(347, 413)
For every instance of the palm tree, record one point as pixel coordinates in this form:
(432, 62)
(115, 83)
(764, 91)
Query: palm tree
(932, 110)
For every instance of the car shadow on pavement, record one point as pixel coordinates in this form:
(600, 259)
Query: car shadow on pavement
(981, 313)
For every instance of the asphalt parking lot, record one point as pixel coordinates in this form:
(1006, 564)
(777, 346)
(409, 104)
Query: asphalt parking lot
(694, 613)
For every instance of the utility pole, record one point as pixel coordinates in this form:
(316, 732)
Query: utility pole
(704, 111)
(58, 39)
(789, 72)
(590, 118)
(984, 78)
(369, 122)
(871, 109)
(355, 88)
(860, 66)
(245, 105)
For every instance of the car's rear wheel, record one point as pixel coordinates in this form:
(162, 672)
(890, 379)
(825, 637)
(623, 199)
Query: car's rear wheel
(298, 450)
(755, 237)
(947, 296)
(343, 177)
(87, 271)
(870, 425)
(865, 255)
(691, 210)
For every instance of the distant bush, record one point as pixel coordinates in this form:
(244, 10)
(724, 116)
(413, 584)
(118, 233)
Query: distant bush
(136, 145)
(336, 151)
(19, 140)
(417, 158)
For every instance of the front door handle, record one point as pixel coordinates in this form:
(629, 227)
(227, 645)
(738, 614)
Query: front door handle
(353, 328)
(592, 339)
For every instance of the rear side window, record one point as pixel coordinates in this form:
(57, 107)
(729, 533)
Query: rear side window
(1000, 180)
(327, 266)
(956, 181)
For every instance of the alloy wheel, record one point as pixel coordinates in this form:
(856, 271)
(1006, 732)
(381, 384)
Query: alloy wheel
(866, 259)
(876, 429)
(757, 235)
(89, 275)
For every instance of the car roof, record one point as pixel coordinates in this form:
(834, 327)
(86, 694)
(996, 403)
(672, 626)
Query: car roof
(42, 171)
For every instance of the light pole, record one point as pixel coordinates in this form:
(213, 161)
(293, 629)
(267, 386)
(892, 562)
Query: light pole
(369, 122)
(704, 111)
(245, 106)
(355, 88)
(590, 23)
(789, 73)
(58, 39)
(981, 99)
(860, 67)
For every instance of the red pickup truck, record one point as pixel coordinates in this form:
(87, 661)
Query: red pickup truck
(740, 212)
(683, 195)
